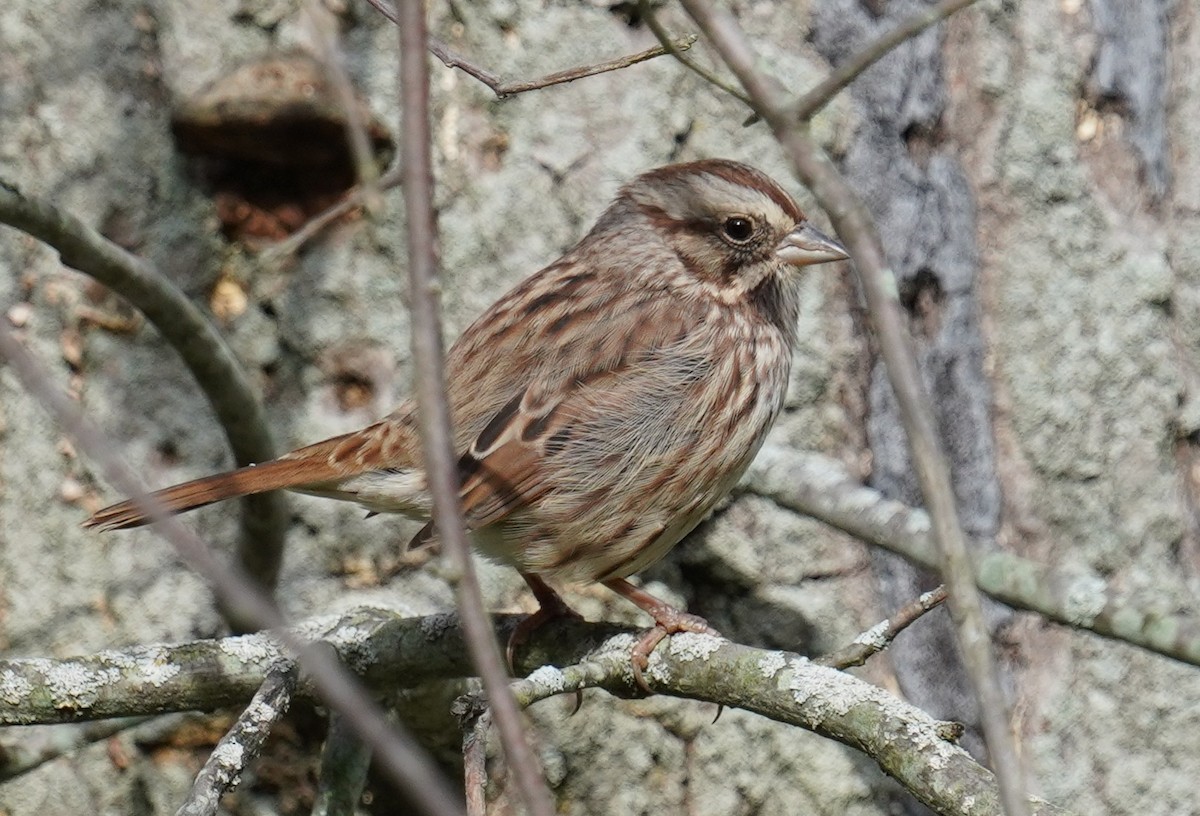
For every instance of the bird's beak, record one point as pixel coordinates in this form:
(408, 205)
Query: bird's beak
(806, 245)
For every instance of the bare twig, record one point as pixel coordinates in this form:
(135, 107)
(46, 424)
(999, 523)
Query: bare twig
(345, 760)
(475, 763)
(357, 197)
(243, 742)
(853, 223)
(505, 88)
(363, 194)
(325, 36)
(648, 14)
(441, 475)
(204, 352)
(819, 96)
(879, 637)
(29, 751)
(407, 766)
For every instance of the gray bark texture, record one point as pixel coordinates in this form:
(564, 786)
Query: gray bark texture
(1034, 170)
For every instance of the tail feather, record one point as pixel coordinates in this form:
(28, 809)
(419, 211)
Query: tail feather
(274, 475)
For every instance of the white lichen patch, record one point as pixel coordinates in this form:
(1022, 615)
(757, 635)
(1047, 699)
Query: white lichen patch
(75, 686)
(1085, 599)
(157, 669)
(229, 754)
(875, 637)
(131, 659)
(770, 663)
(14, 689)
(924, 735)
(549, 678)
(320, 627)
(827, 693)
(349, 637)
(686, 646)
(828, 689)
(262, 712)
(251, 649)
(694, 645)
(617, 645)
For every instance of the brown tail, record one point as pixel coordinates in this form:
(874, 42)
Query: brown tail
(273, 475)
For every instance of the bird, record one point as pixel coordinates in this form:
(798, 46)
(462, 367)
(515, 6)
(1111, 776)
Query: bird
(603, 406)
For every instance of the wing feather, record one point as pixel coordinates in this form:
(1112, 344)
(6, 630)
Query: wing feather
(522, 452)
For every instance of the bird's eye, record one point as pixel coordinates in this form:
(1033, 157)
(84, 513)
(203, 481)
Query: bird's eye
(738, 228)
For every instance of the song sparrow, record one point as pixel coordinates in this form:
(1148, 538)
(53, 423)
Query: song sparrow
(604, 405)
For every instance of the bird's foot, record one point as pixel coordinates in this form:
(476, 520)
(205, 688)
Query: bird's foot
(550, 608)
(667, 619)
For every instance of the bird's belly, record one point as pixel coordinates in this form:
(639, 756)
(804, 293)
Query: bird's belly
(616, 540)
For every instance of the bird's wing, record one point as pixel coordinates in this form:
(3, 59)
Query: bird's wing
(575, 422)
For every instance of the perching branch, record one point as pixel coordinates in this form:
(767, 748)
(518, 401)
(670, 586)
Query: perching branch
(387, 650)
(854, 225)
(204, 352)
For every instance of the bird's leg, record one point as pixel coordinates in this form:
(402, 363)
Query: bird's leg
(668, 621)
(550, 607)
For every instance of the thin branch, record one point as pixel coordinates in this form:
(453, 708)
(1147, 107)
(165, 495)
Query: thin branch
(646, 10)
(356, 197)
(853, 223)
(820, 487)
(475, 762)
(325, 35)
(389, 650)
(406, 764)
(879, 637)
(345, 760)
(441, 473)
(31, 751)
(242, 744)
(362, 194)
(820, 95)
(506, 88)
(215, 368)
